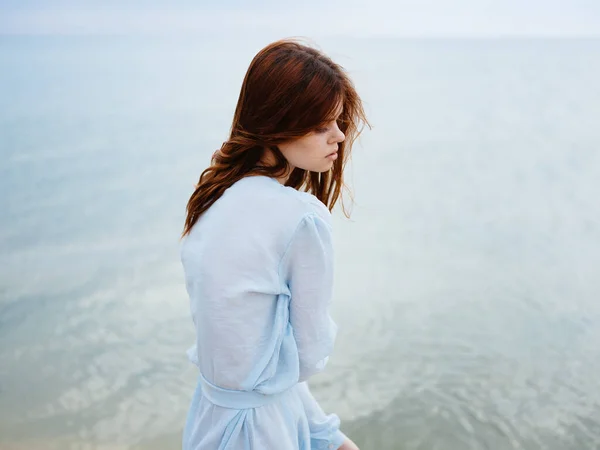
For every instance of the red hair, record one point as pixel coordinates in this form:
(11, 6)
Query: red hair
(289, 90)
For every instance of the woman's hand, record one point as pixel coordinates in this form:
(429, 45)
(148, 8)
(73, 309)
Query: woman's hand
(348, 445)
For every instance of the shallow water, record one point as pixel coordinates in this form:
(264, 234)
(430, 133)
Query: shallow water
(467, 279)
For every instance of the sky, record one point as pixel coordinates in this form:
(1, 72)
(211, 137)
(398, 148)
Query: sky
(360, 18)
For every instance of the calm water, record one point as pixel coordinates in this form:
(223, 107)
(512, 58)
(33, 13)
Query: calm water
(468, 278)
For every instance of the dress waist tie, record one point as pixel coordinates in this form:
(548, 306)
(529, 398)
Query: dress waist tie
(235, 399)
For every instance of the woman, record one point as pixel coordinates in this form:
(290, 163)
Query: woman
(258, 257)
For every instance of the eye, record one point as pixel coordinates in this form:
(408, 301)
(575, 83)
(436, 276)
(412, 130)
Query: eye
(322, 130)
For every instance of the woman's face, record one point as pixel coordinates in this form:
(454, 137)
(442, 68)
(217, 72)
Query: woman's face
(317, 150)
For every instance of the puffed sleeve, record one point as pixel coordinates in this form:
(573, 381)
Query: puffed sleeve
(325, 431)
(308, 270)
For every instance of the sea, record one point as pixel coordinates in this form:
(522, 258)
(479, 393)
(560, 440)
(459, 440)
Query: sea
(467, 277)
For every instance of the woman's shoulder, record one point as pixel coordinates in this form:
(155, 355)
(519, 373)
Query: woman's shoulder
(289, 202)
(313, 206)
(260, 213)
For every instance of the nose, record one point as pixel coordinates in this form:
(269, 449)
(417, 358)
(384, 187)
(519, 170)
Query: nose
(339, 136)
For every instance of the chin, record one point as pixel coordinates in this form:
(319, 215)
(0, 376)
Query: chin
(325, 169)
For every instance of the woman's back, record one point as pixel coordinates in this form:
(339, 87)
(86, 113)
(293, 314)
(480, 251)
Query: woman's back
(232, 262)
(254, 348)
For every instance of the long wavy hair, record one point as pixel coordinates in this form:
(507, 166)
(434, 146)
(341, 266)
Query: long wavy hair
(289, 90)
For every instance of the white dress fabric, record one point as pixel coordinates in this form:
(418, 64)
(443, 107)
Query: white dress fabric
(258, 268)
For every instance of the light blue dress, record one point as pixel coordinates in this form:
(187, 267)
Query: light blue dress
(258, 269)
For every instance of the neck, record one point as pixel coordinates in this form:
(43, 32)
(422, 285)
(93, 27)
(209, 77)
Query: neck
(268, 160)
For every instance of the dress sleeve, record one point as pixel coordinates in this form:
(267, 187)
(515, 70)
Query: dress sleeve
(325, 431)
(308, 269)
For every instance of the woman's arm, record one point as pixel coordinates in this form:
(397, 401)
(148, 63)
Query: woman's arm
(308, 270)
(324, 428)
(307, 266)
